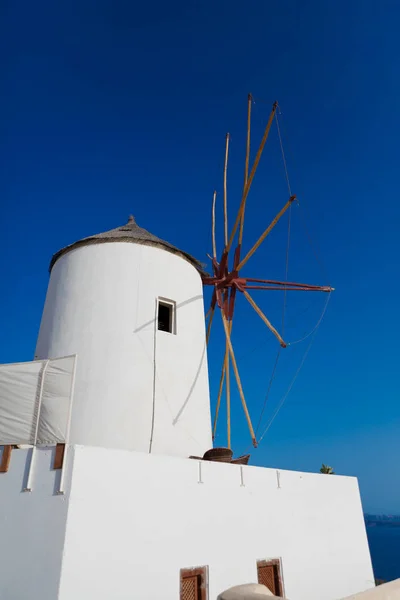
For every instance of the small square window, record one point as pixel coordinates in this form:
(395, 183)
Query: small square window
(166, 316)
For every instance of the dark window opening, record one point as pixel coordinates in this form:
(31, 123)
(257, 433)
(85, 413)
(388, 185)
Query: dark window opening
(269, 574)
(193, 584)
(165, 317)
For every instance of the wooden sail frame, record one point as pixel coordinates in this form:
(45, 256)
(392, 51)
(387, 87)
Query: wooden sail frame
(226, 283)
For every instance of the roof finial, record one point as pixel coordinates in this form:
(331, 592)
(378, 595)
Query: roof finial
(131, 220)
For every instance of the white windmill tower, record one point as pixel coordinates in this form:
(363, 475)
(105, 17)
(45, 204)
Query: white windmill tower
(131, 307)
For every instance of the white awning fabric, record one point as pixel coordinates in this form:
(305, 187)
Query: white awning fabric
(35, 401)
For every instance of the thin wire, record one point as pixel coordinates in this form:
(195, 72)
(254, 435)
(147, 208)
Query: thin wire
(283, 154)
(260, 100)
(312, 245)
(269, 389)
(261, 344)
(314, 249)
(302, 215)
(278, 354)
(282, 401)
(289, 227)
(154, 379)
(286, 394)
(316, 326)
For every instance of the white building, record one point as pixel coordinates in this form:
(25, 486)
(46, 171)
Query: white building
(129, 515)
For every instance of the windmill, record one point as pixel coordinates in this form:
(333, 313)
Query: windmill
(228, 283)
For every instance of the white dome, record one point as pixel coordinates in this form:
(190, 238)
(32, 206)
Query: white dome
(247, 591)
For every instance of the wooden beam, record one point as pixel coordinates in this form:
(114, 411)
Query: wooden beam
(251, 176)
(226, 190)
(289, 288)
(264, 318)
(266, 232)
(214, 243)
(221, 384)
(209, 324)
(59, 456)
(321, 288)
(228, 398)
(5, 459)
(237, 376)
(246, 166)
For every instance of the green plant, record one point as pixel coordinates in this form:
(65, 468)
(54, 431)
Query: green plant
(326, 470)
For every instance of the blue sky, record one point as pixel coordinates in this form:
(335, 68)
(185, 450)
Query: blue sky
(112, 108)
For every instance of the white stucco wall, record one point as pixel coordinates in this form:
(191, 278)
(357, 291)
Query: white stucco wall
(135, 520)
(129, 522)
(101, 305)
(32, 528)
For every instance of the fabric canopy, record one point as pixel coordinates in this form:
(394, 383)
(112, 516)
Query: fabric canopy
(35, 401)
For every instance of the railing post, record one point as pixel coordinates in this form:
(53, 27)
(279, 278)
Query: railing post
(28, 487)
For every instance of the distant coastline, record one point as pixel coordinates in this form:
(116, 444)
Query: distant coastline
(383, 532)
(382, 520)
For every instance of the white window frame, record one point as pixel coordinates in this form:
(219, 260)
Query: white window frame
(172, 305)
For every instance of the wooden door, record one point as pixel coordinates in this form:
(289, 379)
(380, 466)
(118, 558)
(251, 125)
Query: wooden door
(190, 588)
(269, 575)
(193, 584)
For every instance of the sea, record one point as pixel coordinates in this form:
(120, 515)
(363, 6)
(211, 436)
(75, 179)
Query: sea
(384, 545)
